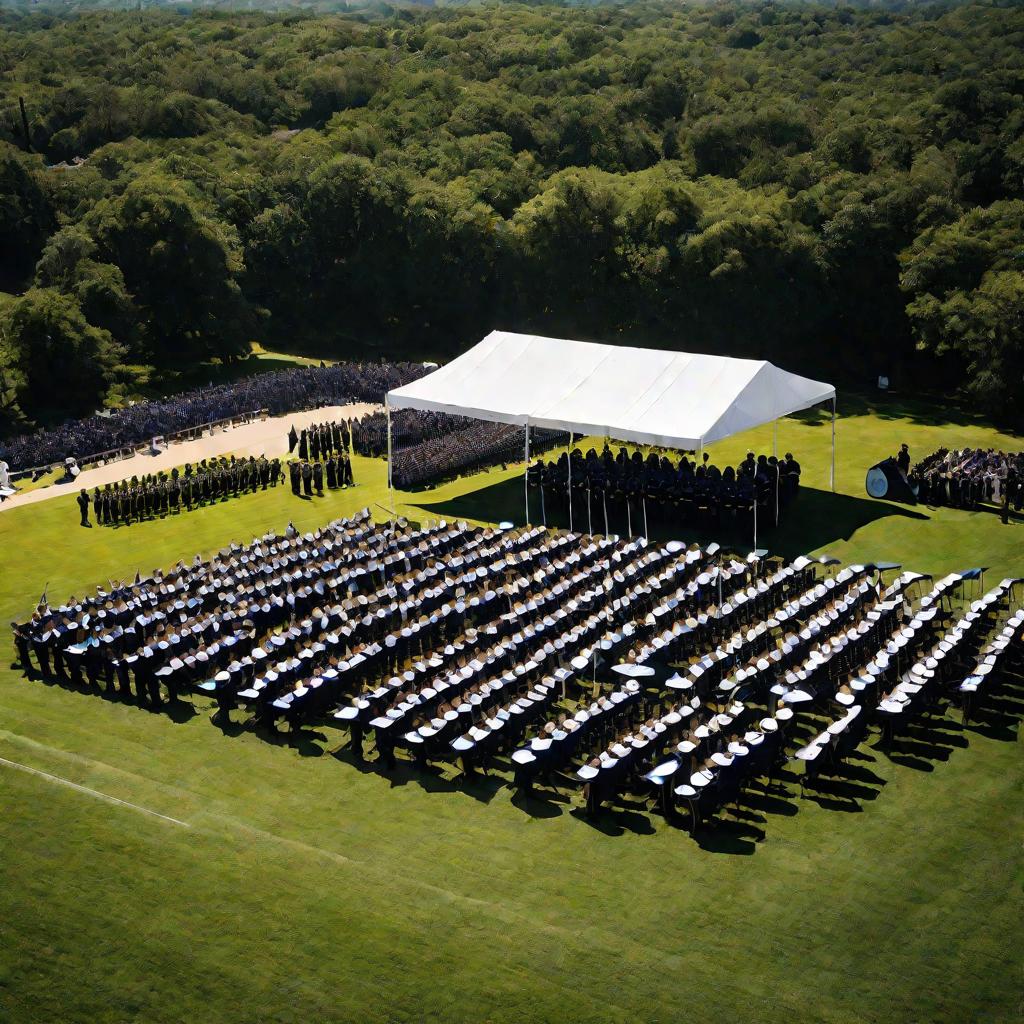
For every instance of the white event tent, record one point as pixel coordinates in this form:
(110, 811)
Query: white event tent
(648, 396)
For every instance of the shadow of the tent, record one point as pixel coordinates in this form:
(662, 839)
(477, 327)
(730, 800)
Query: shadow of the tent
(816, 517)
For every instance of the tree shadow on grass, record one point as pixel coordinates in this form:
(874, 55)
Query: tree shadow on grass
(815, 519)
(921, 410)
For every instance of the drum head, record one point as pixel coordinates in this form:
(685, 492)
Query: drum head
(876, 484)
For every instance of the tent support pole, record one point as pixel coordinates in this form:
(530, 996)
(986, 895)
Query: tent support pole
(604, 501)
(832, 474)
(755, 516)
(543, 512)
(646, 534)
(629, 518)
(391, 492)
(775, 438)
(568, 456)
(590, 522)
(526, 476)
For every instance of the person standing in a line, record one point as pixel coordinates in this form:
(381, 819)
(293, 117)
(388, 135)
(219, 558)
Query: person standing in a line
(83, 505)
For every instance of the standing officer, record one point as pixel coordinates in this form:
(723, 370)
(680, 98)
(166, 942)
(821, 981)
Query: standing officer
(83, 506)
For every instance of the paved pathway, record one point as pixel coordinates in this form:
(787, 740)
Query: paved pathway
(264, 437)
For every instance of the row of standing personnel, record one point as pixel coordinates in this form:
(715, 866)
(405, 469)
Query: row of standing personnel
(306, 477)
(158, 494)
(320, 440)
(690, 485)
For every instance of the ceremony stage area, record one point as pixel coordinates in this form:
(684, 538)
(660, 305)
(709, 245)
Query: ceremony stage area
(401, 895)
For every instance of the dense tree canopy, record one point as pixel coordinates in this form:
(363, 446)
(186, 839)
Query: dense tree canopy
(837, 188)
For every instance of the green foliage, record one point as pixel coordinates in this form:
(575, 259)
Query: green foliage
(750, 179)
(64, 363)
(25, 214)
(967, 286)
(179, 263)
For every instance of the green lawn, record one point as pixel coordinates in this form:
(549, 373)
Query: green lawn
(303, 888)
(259, 360)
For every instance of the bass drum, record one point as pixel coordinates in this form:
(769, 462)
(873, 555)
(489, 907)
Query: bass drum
(885, 480)
(877, 483)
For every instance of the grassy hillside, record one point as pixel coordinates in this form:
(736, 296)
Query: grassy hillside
(293, 885)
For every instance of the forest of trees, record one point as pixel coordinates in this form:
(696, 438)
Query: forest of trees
(837, 188)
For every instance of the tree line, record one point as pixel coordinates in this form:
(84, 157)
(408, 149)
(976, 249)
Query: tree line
(837, 188)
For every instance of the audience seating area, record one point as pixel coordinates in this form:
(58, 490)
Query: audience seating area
(609, 665)
(431, 447)
(104, 437)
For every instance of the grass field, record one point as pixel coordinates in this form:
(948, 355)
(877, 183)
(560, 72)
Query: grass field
(301, 887)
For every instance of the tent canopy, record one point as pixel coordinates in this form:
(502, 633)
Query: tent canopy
(670, 399)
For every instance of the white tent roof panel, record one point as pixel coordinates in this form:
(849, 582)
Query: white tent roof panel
(674, 399)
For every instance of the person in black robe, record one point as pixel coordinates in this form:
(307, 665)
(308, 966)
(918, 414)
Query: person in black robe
(41, 646)
(293, 439)
(903, 461)
(307, 479)
(21, 645)
(295, 476)
(314, 444)
(332, 473)
(304, 446)
(83, 506)
(346, 474)
(318, 478)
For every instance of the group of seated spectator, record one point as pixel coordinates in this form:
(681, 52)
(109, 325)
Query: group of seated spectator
(969, 477)
(430, 447)
(696, 491)
(409, 427)
(160, 494)
(278, 392)
(611, 664)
